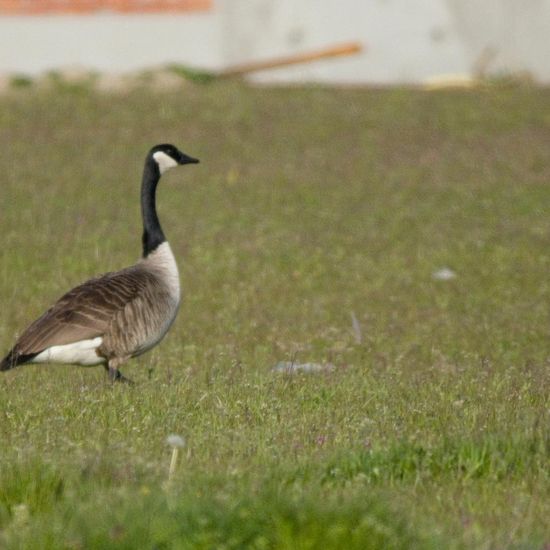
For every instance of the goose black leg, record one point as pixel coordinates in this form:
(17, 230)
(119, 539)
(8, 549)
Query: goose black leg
(116, 376)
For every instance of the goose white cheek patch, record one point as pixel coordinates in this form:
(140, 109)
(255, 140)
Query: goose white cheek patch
(164, 161)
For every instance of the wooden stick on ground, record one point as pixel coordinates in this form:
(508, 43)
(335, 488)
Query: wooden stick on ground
(332, 51)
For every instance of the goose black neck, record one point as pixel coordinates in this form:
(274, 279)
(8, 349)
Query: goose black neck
(153, 235)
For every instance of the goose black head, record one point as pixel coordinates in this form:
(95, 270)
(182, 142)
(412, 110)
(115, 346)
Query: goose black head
(167, 156)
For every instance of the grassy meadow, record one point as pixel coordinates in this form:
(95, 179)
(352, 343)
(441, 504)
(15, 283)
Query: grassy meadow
(310, 232)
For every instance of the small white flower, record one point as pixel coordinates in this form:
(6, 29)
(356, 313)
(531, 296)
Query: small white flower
(175, 441)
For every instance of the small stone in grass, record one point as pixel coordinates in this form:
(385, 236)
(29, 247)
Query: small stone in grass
(291, 367)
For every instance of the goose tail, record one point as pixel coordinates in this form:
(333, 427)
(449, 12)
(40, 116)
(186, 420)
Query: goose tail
(9, 362)
(5, 364)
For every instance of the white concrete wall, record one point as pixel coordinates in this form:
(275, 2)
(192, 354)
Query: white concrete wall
(109, 42)
(406, 40)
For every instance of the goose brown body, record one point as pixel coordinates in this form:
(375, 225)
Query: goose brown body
(130, 310)
(111, 318)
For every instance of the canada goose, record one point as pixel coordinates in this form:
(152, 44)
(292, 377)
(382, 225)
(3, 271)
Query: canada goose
(109, 319)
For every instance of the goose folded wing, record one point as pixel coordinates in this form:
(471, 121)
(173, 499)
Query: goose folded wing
(83, 313)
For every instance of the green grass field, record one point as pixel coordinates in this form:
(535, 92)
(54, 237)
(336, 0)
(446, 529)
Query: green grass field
(310, 206)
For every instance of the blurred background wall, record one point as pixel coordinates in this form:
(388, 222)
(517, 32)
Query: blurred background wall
(406, 41)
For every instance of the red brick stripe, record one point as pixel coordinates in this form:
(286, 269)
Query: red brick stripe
(33, 7)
